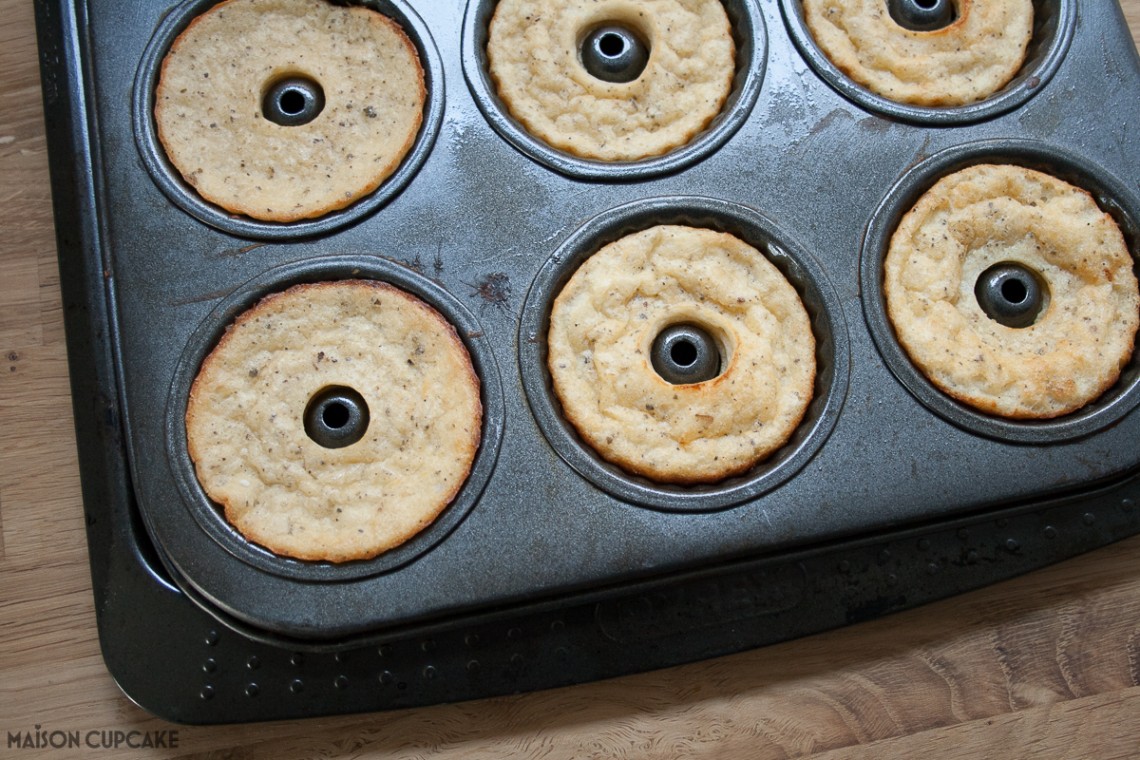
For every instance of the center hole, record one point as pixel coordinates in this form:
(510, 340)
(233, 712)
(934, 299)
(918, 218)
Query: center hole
(683, 353)
(1014, 290)
(612, 45)
(1011, 294)
(614, 52)
(923, 15)
(335, 415)
(291, 102)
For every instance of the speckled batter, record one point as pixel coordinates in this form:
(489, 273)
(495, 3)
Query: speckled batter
(208, 105)
(991, 214)
(969, 60)
(245, 425)
(535, 62)
(607, 316)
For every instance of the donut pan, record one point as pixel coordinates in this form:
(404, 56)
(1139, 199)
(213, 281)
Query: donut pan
(552, 566)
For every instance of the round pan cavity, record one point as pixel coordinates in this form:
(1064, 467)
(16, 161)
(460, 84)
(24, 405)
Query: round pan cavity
(298, 102)
(800, 268)
(191, 530)
(751, 40)
(1053, 24)
(1110, 194)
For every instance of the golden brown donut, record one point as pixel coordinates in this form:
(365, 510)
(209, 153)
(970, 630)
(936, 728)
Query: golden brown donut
(298, 498)
(606, 318)
(537, 69)
(993, 214)
(209, 105)
(967, 61)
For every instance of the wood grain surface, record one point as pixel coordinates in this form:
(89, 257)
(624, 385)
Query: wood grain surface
(1044, 666)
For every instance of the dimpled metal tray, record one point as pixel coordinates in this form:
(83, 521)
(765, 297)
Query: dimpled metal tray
(553, 566)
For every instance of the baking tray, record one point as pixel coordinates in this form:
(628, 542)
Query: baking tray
(553, 567)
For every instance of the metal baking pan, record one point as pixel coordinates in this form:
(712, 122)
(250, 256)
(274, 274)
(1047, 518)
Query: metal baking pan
(552, 566)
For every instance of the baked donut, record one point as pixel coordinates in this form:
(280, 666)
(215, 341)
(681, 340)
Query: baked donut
(607, 317)
(283, 486)
(990, 215)
(973, 57)
(212, 105)
(535, 61)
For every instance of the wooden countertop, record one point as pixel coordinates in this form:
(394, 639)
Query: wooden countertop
(1047, 665)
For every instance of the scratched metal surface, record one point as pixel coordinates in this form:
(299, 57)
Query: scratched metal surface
(485, 229)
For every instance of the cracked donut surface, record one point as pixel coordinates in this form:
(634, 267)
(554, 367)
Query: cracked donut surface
(606, 318)
(969, 60)
(533, 51)
(992, 214)
(283, 490)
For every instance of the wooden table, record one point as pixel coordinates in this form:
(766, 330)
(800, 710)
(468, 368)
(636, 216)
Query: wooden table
(1047, 665)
